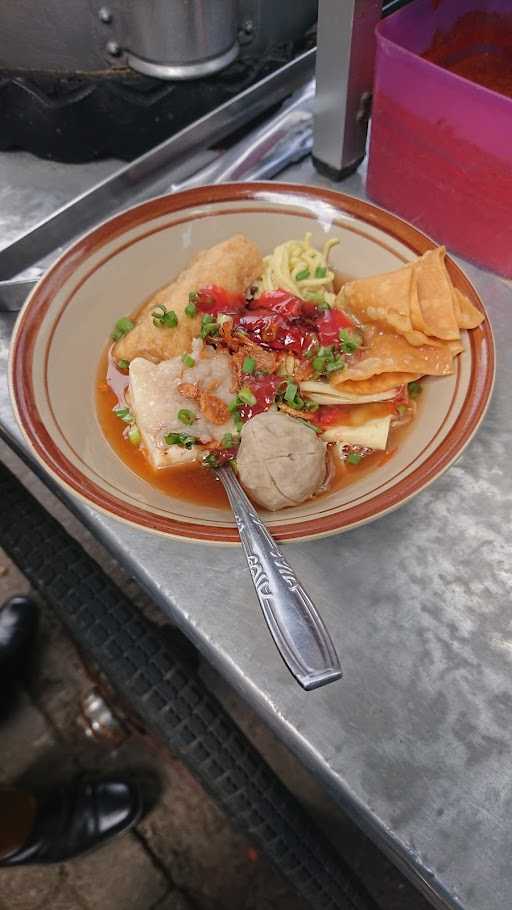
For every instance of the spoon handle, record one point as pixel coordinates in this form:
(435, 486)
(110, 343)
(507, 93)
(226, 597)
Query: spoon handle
(298, 631)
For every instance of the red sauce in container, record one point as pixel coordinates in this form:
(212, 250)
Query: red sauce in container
(439, 148)
(478, 47)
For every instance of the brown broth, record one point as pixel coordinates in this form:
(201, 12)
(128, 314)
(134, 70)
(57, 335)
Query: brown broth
(193, 482)
(190, 482)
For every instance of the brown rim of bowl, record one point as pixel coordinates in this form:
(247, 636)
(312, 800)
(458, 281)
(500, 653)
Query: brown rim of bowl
(25, 333)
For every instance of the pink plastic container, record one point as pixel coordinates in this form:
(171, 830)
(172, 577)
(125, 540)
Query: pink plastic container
(441, 145)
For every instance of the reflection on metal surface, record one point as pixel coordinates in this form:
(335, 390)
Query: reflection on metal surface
(113, 48)
(286, 138)
(104, 15)
(98, 720)
(179, 71)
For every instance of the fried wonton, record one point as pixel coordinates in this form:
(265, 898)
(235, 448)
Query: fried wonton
(233, 265)
(387, 352)
(467, 315)
(417, 301)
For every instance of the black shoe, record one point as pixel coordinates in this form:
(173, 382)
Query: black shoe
(79, 819)
(18, 623)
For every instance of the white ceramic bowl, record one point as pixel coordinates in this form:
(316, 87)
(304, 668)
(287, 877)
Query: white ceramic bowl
(64, 324)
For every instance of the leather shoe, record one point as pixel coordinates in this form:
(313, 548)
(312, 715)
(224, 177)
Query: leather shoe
(18, 623)
(79, 819)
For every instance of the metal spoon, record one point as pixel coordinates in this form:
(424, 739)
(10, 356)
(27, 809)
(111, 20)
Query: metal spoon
(298, 631)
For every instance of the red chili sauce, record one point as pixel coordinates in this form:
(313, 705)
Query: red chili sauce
(478, 47)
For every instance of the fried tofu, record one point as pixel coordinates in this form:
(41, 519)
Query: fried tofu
(233, 264)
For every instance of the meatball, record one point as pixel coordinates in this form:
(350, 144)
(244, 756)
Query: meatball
(281, 462)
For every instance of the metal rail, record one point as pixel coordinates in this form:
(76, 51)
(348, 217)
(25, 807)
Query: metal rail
(137, 179)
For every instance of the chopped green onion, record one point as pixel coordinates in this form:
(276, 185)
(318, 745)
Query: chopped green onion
(354, 458)
(415, 389)
(291, 392)
(124, 414)
(301, 276)
(211, 328)
(134, 435)
(193, 297)
(186, 416)
(123, 364)
(228, 441)
(335, 364)
(317, 297)
(249, 365)
(246, 396)
(208, 326)
(122, 327)
(233, 405)
(190, 309)
(292, 397)
(349, 341)
(180, 439)
(188, 360)
(311, 405)
(164, 318)
(320, 271)
(211, 460)
(237, 420)
(327, 361)
(309, 425)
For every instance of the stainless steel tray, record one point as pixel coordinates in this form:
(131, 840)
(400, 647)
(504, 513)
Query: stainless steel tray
(152, 173)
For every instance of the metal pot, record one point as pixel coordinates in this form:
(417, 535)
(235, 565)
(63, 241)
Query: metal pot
(167, 39)
(181, 39)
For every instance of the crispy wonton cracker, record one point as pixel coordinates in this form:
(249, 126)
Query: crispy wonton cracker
(418, 301)
(387, 352)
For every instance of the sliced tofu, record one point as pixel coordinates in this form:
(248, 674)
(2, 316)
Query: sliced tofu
(371, 435)
(172, 455)
(155, 401)
(324, 393)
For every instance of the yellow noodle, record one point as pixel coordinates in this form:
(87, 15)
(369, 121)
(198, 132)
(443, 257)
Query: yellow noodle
(288, 260)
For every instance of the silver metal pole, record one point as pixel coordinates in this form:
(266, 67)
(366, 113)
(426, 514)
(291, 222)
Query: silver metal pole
(344, 77)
